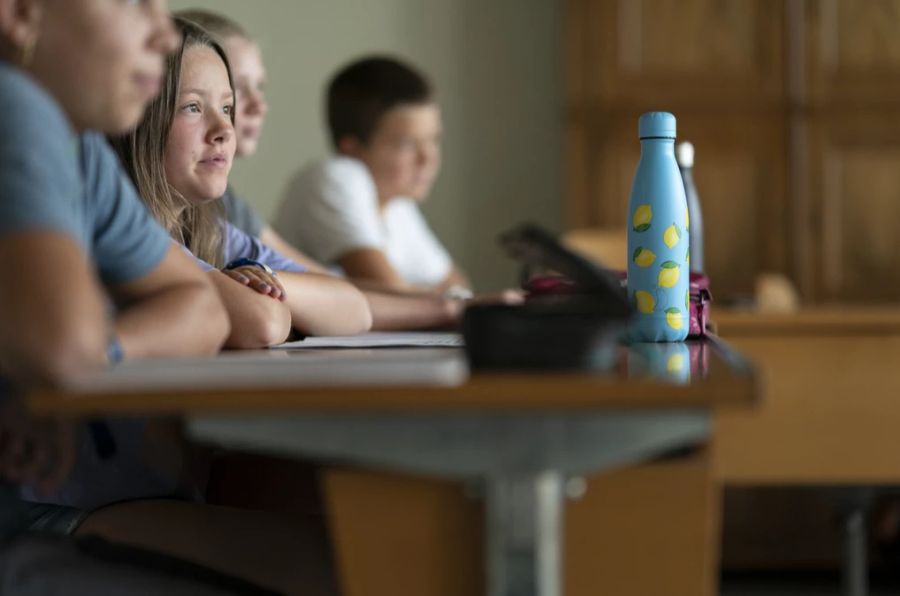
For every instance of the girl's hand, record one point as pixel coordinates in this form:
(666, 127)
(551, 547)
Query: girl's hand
(501, 297)
(258, 279)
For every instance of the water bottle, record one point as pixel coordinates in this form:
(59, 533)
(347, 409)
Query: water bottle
(658, 244)
(684, 153)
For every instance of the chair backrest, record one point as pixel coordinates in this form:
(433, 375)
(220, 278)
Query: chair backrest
(607, 246)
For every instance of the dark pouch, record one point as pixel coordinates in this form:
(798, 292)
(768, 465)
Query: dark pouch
(569, 321)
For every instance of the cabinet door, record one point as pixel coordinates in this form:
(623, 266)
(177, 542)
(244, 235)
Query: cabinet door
(698, 51)
(740, 177)
(854, 210)
(853, 52)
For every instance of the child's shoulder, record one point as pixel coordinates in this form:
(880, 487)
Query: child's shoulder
(336, 175)
(27, 110)
(17, 88)
(339, 167)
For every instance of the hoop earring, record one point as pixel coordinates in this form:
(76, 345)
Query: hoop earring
(28, 52)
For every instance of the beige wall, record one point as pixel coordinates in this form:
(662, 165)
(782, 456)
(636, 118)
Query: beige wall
(495, 64)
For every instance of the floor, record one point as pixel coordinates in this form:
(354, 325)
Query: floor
(801, 584)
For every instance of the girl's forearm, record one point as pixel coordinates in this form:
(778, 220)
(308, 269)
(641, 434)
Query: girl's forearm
(325, 305)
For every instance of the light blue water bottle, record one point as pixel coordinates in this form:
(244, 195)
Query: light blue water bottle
(658, 246)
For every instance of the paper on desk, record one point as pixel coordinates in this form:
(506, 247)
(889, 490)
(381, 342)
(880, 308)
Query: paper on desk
(411, 339)
(269, 369)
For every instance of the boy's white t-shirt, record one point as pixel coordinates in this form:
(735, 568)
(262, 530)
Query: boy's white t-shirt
(331, 208)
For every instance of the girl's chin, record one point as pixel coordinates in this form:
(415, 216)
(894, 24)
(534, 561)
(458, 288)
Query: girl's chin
(215, 190)
(205, 197)
(215, 197)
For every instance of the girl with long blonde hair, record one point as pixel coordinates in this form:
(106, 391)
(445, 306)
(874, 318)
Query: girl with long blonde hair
(179, 157)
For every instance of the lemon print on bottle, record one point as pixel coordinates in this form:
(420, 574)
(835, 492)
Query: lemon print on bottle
(644, 257)
(643, 215)
(671, 236)
(645, 302)
(669, 274)
(673, 318)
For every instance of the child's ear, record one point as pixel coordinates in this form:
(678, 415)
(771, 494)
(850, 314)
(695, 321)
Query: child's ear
(20, 22)
(349, 146)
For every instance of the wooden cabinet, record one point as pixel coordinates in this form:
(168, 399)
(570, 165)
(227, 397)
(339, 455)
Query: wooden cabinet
(634, 48)
(855, 179)
(794, 109)
(851, 52)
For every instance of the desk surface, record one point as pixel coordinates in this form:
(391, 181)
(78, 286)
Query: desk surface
(693, 374)
(822, 320)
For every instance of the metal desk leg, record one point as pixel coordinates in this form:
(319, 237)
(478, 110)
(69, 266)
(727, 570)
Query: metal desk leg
(524, 534)
(855, 505)
(855, 565)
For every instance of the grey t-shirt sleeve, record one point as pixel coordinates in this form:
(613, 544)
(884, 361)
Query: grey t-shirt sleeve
(241, 215)
(240, 245)
(41, 187)
(127, 242)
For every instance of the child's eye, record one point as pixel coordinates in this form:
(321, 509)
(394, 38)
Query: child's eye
(228, 109)
(193, 108)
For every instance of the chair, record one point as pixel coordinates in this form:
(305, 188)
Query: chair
(607, 246)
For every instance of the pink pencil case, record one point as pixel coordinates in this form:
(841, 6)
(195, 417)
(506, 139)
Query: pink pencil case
(700, 299)
(699, 288)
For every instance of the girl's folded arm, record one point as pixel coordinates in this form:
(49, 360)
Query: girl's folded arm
(325, 305)
(257, 320)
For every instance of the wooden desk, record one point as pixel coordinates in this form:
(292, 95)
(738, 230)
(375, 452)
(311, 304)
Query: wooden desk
(402, 379)
(819, 321)
(521, 435)
(832, 381)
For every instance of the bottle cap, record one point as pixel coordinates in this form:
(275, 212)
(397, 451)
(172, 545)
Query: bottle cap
(657, 124)
(684, 153)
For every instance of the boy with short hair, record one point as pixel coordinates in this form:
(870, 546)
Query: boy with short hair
(359, 209)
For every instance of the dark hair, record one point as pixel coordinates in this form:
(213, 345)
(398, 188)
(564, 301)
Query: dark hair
(143, 154)
(362, 92)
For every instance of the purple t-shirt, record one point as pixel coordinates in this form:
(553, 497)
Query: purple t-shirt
(238, 245)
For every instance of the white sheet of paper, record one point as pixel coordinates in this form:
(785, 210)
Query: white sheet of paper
(411, 339)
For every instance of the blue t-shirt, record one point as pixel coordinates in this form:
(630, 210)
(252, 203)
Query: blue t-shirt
(53, 179)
